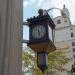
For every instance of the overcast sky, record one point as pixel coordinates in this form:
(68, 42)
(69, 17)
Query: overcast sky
(30, 8)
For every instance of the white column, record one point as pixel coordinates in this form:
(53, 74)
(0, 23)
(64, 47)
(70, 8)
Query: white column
(10, 37)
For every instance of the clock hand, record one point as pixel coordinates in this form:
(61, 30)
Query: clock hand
(39, 32)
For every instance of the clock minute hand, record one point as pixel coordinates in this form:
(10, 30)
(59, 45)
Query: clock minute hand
(39, 32)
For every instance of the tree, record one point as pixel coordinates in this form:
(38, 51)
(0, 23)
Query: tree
(28, 56)
(56, 60)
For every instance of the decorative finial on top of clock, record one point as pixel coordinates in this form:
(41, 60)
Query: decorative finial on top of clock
(40, 11)
(64, 6)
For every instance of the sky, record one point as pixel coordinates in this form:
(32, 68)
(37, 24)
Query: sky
(31, 7)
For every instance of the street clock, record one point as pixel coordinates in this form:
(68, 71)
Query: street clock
(41, 33)
(41, 38)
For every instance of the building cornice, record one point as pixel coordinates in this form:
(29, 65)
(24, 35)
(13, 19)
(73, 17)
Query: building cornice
(66, 41)
(65, 27)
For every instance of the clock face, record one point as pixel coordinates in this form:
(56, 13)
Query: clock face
(38, 31)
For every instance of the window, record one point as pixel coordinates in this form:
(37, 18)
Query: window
(73, 43)
(72, 34)
(65, 21)
(74, 56)
(73, 49)
(58, 21)
(71, 29)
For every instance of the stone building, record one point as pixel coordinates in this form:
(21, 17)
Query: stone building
(65, 36)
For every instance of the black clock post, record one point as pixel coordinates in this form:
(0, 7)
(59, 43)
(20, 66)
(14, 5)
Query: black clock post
(41, 37)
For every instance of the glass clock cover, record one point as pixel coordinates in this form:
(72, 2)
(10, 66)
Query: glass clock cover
(50, 33)
(38, 31)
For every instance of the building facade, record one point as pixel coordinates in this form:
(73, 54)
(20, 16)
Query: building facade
(65, 36)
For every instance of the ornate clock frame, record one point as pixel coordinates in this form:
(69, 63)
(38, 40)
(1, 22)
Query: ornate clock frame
(44, 43)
